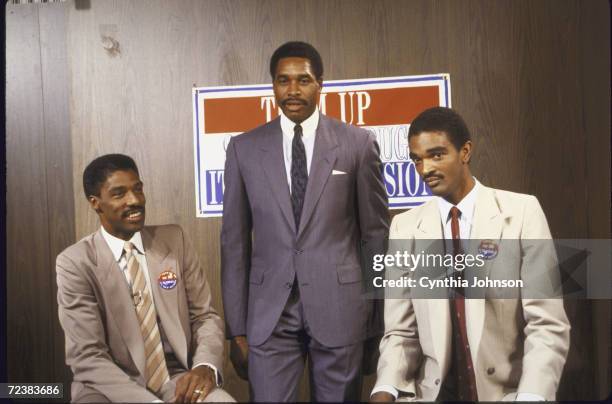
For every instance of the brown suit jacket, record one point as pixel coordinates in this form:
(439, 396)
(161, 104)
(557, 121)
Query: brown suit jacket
(521, 343)
(104, 346)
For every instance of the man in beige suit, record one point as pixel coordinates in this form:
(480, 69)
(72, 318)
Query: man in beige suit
(134, 302)
(478, 349)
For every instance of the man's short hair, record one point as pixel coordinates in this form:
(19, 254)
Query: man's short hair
(101, 168)
(441, 119)
(299, 50)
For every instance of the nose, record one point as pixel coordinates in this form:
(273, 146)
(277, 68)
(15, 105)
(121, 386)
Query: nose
(294, 88)
(134, 198)
(427, 167)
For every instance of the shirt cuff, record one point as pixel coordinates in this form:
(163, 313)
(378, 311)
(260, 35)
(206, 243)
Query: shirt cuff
(387, 388)
(218, 380)
(528, 397)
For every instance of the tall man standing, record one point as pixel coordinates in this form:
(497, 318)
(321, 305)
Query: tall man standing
(481, 349)
(304, 202)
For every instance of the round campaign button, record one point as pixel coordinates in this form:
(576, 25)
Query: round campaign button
(167, 280)
(488, 249)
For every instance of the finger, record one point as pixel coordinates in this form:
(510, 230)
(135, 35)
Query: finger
(190, 395)
(204, 390)
(181, 386)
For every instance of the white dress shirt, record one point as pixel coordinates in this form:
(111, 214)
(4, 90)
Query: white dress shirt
(466, 217)
(116, 246)
(309, 131)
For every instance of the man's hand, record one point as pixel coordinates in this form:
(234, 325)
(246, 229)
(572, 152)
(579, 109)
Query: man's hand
(239, 355)
(382, 397)
(195, 385)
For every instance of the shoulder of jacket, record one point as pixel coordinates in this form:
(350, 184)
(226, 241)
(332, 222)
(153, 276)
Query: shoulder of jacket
(410, 217)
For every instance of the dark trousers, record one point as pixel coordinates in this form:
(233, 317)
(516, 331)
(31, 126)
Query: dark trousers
(275, 367)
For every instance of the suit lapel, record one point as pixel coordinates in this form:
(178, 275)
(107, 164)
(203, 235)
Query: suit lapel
(160, 260)
(323, 160)
(273, 164)
(488, 224)
(429, 227)
(488, 220)
(116, 291)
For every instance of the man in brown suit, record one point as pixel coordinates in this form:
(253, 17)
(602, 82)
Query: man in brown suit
(134, 302)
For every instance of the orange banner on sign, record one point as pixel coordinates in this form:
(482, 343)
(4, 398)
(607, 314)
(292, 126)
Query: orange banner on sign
(363, 108)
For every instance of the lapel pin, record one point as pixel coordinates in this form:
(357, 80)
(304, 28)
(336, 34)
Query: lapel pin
(167, 280)
(488, 249)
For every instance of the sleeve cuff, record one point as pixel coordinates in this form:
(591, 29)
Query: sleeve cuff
(218, 380)
(387, 388)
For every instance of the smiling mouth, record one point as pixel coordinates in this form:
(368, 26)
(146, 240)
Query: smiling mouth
(134, 215)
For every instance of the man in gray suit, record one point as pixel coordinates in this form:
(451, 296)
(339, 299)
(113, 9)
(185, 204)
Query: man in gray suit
(134, 302)
(304, 203)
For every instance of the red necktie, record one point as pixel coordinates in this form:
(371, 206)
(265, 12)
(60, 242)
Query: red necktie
(466, 379)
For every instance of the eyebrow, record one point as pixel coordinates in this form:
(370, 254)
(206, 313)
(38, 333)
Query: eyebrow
(435, 150)
(124, 187)
(117, 189)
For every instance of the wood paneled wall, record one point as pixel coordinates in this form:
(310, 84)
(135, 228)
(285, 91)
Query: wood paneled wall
(40, 197)
(531, 78)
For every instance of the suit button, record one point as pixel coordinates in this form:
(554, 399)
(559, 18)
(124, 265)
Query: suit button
(288, 285)
(490, 371)
(437, 381)
(297, 252)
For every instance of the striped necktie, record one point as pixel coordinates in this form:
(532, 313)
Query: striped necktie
(156, 372)
(299, 175)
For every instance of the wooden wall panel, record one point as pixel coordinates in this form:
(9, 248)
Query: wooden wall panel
(595, 86)
(58, 168)
(530, 78)
(40, 200)
(29, 275)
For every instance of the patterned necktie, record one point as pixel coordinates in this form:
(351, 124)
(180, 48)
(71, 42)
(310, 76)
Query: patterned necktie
(465, 377)
(156, 371)
(299, 175)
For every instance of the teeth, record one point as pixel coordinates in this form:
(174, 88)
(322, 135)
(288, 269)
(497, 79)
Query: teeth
(133, 215)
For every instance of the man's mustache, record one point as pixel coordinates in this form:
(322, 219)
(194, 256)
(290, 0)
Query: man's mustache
(299, 100)
(434, 175)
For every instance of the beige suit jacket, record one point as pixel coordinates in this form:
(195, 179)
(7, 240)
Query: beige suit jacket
(104, 346)
(518, 345)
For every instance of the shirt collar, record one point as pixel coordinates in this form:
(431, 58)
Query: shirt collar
(116, 244)
(465, 206)
(309, 125)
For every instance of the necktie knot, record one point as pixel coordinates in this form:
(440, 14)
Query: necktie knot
(297, 130)
(128, 247)
(455, 213)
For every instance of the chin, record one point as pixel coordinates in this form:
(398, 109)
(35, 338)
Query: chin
(439, 191)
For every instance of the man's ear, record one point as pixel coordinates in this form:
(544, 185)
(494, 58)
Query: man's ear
(94, 202)
(466, 152)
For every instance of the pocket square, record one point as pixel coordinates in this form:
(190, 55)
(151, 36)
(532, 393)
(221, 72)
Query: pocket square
(337, 172)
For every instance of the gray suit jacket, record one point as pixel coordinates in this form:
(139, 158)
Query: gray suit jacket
(344, 219)
(104, 345)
